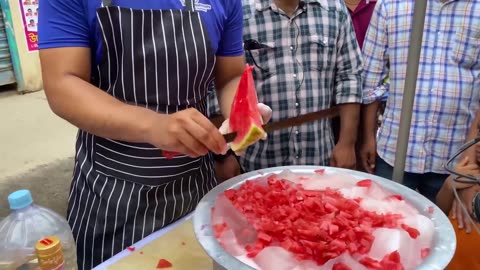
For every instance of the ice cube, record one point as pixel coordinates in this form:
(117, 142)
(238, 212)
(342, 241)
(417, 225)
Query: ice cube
(235, 221)
(425, 226)
(354, 192)
(390, 240)
(334, 181)
(275, 258)
(229, 243)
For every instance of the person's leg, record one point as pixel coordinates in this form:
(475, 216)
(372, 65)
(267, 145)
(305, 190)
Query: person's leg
(383, 169)
(336, 128)
(431, 184)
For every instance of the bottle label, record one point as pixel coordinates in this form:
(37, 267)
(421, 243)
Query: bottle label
(60, 267)
(53, 264)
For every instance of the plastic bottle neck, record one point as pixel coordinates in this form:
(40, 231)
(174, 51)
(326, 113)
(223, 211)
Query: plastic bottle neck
(23, 209)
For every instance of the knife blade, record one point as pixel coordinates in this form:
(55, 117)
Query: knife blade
(291, 122)
(286, 123)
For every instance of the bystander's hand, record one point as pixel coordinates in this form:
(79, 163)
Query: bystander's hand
(466, 193)
(343, 156)
(368, 153)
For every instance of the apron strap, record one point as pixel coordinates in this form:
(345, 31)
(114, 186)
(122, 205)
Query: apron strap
(190, 5)
(106, 3)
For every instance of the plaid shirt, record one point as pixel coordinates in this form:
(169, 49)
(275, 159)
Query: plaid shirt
(448, 86)
(302, 64)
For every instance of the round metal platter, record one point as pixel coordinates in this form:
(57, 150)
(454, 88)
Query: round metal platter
(441, 252)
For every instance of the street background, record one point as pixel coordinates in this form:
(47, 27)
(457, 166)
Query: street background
(36, 150)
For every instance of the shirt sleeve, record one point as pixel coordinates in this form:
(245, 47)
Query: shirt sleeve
(375, 55)
(212, 103)
(231, 39)
(62, 23)
(349, 66)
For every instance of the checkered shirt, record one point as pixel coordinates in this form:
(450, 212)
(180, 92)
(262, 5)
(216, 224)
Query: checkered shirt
(306, 63)
(448, 85)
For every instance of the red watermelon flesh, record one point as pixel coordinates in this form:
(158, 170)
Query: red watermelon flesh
(245, 118)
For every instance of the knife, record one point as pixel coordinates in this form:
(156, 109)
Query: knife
(291, 122)
(286, 123)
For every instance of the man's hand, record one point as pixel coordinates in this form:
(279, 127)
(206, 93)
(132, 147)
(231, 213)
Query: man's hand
(468, 167)
(343, 156)
(227, 168)
(477, 152)
(368, 153)
(265, 112)
(188, 132)
(466, 196)
(466, 192)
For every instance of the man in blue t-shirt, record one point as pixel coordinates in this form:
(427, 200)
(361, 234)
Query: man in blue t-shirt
(133, 77)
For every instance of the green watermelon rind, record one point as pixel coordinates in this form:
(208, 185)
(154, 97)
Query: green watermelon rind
(254, 134)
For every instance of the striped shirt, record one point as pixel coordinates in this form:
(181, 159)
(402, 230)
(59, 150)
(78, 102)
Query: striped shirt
(448, 86)
(302, 64)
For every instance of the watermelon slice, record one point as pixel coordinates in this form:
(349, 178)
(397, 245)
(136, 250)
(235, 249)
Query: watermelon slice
(245, 118)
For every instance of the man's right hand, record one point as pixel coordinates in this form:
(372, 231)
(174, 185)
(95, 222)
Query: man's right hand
(188, 132)
(368, 153)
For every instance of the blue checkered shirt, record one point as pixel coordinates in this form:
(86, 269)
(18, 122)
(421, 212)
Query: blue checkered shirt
(448, 86)
(302, 64)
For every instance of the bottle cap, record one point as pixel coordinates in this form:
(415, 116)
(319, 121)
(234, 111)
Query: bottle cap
(20, 199)
(49, 253)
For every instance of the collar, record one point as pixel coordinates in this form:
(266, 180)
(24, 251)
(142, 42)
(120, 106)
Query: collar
(262, 5)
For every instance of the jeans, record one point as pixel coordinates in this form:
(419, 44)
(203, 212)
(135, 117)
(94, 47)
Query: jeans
(427, 184)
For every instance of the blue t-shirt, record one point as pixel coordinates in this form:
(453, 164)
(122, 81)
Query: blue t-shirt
(73, 23)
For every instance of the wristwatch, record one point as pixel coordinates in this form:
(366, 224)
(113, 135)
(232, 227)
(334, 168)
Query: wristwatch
(223, 157)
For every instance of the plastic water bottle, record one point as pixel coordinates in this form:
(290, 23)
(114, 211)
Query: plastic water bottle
(24, 227)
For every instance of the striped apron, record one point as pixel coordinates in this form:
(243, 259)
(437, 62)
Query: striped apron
(121, 192)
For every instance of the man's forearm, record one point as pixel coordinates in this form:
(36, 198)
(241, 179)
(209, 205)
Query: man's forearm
(96, 112)
(369, 119)
(226, 95)
(349, 119)
(445, 196)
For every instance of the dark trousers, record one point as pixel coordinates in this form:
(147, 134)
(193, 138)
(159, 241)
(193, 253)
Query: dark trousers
(336, 128)
(428, 184)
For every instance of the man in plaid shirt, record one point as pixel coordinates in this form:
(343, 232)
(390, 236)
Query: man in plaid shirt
(306, 57)
(447, 94)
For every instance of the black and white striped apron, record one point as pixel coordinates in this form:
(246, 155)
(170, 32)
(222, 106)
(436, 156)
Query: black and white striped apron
(121, 191)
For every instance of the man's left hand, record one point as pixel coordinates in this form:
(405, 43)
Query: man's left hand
(266, 114)
(343, 156)
(227, 168)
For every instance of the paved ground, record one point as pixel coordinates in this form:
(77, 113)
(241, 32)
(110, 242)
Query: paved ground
(36, 150)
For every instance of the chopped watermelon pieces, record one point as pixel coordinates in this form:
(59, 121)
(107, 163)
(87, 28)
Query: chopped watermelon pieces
(316, 225)
(162, 264)
(365, 183)
(340, 266)
(245, 118)
(414, 233)
(395, 197)
(298, 224)
(390, 261)
(425, 252)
